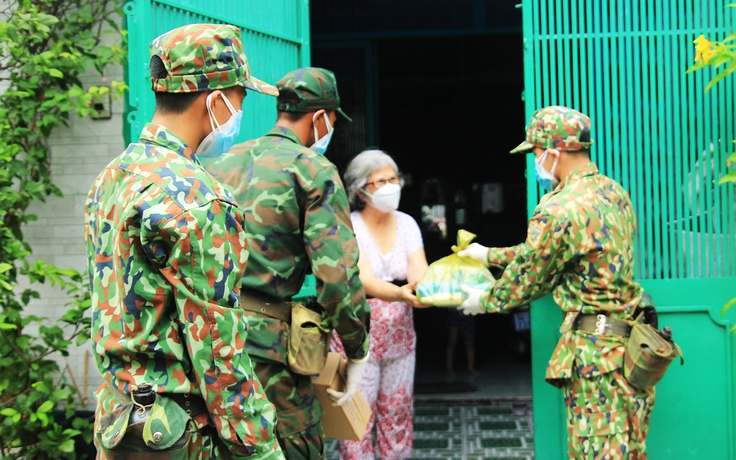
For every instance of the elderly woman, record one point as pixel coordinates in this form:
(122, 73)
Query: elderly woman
(391, 263)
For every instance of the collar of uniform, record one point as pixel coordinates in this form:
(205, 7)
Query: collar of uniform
(160, 136)
(582, 171)
(286, 133)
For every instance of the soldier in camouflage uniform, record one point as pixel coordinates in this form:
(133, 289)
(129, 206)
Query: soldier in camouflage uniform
(297, 219)
(580, 247)
(167, 248)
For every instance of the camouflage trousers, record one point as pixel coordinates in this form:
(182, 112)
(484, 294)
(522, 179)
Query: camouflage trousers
(607, 418)
(298, 412)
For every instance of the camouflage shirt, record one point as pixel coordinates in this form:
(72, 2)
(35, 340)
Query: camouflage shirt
(579, 246)
(166, 251)
(297, 217)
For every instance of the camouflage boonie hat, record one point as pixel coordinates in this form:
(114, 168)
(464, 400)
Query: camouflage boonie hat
(556, 127)
(316, 89)
(201, 57)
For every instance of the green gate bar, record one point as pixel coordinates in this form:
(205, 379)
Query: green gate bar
(623, 63)
(275, 35)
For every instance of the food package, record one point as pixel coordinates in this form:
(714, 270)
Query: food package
(441, 285)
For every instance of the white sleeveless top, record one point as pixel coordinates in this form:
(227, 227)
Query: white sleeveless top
(392, 324)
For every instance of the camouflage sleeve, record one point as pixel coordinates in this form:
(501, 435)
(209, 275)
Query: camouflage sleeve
(534, 270)
(503, 256)
(333, 253)
(208, 254)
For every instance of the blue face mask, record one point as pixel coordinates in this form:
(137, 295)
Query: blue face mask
(222, 137)
(547, 180)
(320, 145)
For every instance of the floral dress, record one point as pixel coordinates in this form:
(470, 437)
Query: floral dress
(388, 380)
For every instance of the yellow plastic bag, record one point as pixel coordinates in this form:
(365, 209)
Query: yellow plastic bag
(441, 285)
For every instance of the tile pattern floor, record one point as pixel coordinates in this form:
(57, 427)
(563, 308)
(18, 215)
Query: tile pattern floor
(467, 431)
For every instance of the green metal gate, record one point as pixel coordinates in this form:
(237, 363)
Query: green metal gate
(275, 34)
(623, 63)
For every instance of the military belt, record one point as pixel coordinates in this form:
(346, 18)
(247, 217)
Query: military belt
(266, 305)
(602, 324)
(193, 405)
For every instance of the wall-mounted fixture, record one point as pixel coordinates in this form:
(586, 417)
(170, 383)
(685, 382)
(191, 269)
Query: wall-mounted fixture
(101, 102)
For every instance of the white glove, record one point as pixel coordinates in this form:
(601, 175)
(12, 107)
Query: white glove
(471, 305)
(355, 374)
(475, 251)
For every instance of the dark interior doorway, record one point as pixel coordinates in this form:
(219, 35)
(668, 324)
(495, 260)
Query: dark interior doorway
(446, 107)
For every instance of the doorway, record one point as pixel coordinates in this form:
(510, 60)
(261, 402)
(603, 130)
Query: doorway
(447, 108)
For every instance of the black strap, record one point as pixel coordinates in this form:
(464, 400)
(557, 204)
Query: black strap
(194, 405)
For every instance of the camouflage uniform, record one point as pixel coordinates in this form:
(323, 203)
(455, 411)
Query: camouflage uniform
(166, 250)
(297, 218)
(580, 246)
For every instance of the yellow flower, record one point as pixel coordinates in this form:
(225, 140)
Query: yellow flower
(704, 51)
(708, 55)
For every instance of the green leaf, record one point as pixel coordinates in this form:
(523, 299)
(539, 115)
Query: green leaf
(729, 38)
(8, 412)
(5, 267)
(7, 286)
(720, 59)
(67, 446)
(721, 75)
(46, 406)
(730, 177)
(695, 67)
(56, 73)
(728, 305)
(41, 386)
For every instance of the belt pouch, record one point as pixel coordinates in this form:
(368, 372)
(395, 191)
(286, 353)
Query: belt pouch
(647, 355)
(164, 434)
(309, 341)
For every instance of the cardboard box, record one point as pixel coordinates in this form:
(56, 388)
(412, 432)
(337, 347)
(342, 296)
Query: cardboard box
(348, 421)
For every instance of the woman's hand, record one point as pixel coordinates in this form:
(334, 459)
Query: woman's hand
(408, 296)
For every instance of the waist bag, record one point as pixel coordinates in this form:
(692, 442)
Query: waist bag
(309, 341)
(164, 434)
(648, 355)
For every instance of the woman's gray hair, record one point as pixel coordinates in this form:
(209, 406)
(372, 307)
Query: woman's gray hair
(360, 168)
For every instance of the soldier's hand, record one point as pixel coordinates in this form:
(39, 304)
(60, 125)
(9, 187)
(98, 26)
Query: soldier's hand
(475, 251)
(471, 305)
(355, 374)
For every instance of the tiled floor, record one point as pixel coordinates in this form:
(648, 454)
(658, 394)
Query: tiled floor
(468, 432)
(477, 425)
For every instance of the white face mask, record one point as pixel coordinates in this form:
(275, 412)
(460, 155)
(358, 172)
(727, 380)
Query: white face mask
(386, 198)
(546, 179)
(320, 145)
(222, 137)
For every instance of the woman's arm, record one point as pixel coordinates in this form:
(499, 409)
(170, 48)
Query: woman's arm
(384, 290)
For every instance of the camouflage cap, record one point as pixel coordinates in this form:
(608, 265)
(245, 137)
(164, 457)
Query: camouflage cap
(201, 57)
(556, 127)
(316, 89)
